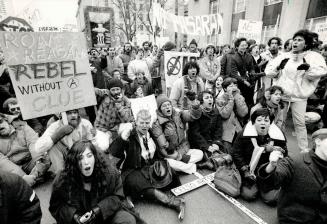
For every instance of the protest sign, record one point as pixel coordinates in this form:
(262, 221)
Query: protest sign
(321, 30)
(174, 63)
(50, 72)
(148, 102)
(250, 29)
(191, 25)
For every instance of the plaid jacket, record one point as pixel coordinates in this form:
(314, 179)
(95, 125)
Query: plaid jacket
(109, 118)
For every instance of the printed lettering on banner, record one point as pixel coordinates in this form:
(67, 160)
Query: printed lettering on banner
(174, 63)
(49, 71)
(321, 29)
(148, 103)
(250, 29)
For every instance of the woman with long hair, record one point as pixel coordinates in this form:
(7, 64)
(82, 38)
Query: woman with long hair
(89, 189)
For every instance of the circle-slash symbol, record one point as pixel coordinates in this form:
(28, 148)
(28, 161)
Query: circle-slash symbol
(72, 83)
(173, 66)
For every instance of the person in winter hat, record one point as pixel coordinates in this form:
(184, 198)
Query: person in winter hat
(114, 110)
(298, 73)
(193, 46)
(169, 131)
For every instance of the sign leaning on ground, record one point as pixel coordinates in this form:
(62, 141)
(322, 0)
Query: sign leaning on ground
(191, 25)
(49, 71)
(174, 63)
(250, 29)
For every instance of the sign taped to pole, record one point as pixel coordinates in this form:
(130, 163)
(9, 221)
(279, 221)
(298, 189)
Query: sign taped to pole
(321, 30)
(174, 63)
(50, 72)
(250, 29)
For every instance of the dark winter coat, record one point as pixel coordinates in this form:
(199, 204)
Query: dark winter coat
(303, 190)
(243, 148)
(205, 131)
(67, 200)
(18, 202)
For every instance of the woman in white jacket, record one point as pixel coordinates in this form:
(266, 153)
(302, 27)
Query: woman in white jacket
(298, 73)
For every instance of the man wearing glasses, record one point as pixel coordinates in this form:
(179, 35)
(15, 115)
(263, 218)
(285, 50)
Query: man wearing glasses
(11, 107)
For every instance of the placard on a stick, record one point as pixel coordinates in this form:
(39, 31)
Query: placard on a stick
(49, 71)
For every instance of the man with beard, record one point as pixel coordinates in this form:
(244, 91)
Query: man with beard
(114, 110)
(112, 62)
(58, 138)
(11, 106)
(17, 151)
(249, 156)
(147, 49)
(126, 58)
(273, 51)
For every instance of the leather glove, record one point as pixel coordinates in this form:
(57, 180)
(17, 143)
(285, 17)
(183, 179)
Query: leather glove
(282, 64)
(190, 95)
(304, 66)
(77, 219)
(61, 132)
(185, 158)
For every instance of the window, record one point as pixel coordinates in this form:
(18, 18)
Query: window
(239, 6)
(317, 8)
(213, 6)
(271, 2)
(271, 13)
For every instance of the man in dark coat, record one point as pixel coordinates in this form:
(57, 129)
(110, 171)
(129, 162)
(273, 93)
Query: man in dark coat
(18, 202)
(303, 182)
(242, 68)
(206, 132)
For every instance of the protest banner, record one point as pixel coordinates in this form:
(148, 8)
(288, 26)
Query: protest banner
(50, 72)
(321, 30)
(174, 63)
(148, 102)
(192, 25)
(250, 29)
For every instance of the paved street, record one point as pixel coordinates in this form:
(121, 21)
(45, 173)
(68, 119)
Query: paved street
(203, 205)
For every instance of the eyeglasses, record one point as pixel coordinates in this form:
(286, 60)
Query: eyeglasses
(13, 109)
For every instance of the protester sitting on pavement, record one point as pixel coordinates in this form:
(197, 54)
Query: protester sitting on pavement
(206, 132)
(232, 108)
(248, 157)
(58, 138)
(89, 189)
(169, 131)
(140, 87)
(114, 110)
(144, 172)
(187, 87)
(11, 106)
(139, 64)
(298, 73)
(272, 100)
(17, 151)
(19, 203)
(302, 180)
(209, 67)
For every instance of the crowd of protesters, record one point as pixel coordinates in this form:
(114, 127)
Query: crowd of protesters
(232, 101)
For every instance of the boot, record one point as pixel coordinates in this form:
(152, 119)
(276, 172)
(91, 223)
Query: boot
(171, 201)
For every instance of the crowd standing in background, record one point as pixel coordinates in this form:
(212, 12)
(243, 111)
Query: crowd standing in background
(230, 106)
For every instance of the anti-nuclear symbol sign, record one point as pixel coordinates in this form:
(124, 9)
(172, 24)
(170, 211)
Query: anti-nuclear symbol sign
(173, 66)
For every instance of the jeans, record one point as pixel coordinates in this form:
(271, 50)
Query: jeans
(298, 115)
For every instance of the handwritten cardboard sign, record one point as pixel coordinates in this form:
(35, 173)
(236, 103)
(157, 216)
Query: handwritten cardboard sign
(250, 29)
(49, 71)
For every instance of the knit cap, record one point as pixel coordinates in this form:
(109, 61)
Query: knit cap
(169, 46)
(193, 42)
(115, 83)
(161, 99)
